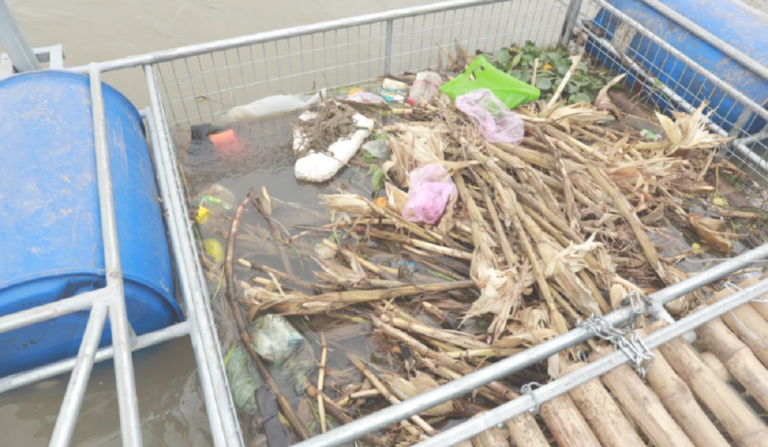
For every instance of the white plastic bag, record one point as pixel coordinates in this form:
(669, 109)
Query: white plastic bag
(274, 105)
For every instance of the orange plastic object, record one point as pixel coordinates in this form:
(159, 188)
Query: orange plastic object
(227, 143)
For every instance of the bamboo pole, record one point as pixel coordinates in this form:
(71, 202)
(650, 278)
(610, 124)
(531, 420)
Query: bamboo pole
(745, 321)
(643, 406)
(678, 399)
(566, 423)
(735, 415)
(716, 366)
(492, 437)
(737, 357)
(603, 414)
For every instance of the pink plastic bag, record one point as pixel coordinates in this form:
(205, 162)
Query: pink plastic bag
(431, 189)
(497, 123)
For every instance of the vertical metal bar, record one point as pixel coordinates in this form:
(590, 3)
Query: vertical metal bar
(388, 47)
(218, 399)
(574, 6)
(78, 381)
(14, 42)
(118, 318)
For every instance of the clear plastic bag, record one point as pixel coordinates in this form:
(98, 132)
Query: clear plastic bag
(496, 122)
(274, 105)
(431, 189)
(424, 88)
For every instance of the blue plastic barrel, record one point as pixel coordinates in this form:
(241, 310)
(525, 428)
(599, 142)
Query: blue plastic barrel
(733, 23)
(50, 231)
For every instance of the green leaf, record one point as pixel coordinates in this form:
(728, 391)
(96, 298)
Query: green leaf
(516, 60)
(563, 66)
(526, 76)
(554, 56)
(543, 83)
(580, 97)
(369, 158)
(515, 73)
(377, 180)
(501, 56)
(571, 88)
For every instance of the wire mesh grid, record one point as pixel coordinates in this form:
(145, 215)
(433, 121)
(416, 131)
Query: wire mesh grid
(201, 87)
(663, 79)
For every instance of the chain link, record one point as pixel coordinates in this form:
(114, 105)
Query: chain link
(626, 341)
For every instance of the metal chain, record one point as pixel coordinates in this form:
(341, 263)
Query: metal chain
(626, 341)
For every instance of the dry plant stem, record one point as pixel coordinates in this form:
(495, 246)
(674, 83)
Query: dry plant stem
(523, 428)
(643, 405)
(556, 320)
(506, 248)
(341, 416)
(403, 239)
(631, 218)
(321, 382)
(678, 399)
(737, 357)
(387, 395)
(266, 212)
(566, 423)
(551, 105)
(603, 414)
(255, 265)
(362, 296)
(570, 207)
(285, 407)
(736, 416)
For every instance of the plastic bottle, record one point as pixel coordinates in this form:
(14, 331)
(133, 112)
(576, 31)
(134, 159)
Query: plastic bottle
(424, 88)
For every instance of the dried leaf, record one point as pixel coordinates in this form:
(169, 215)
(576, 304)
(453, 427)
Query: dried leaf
(420, 383)
(704, 227)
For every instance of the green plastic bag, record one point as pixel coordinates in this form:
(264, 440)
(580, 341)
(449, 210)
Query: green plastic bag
(510, 90)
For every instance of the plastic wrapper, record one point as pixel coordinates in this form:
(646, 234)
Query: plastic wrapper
(243, 379)
(274, 338)
(274, 105)
(365, 98)
(496, 122)
(482, 74)
(431, 189)
(424, 88)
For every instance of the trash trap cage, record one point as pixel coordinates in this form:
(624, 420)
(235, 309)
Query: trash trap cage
(199, 83)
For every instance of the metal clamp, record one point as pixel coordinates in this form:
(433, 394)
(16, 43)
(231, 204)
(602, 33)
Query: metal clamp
(527, 389)
(627, 342)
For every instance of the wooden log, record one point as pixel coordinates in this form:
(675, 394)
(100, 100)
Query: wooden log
(737, 357)
(603, 414)
(525, 432)
(739, 420)
(566, 423)
(643, 406)
(746, 323)
(493, 437)
(716, 366)
(678, 399)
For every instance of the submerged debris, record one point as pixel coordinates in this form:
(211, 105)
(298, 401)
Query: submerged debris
(511, 244)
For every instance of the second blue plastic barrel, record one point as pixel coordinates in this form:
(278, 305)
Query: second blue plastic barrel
(735, 24)
(50, 231)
